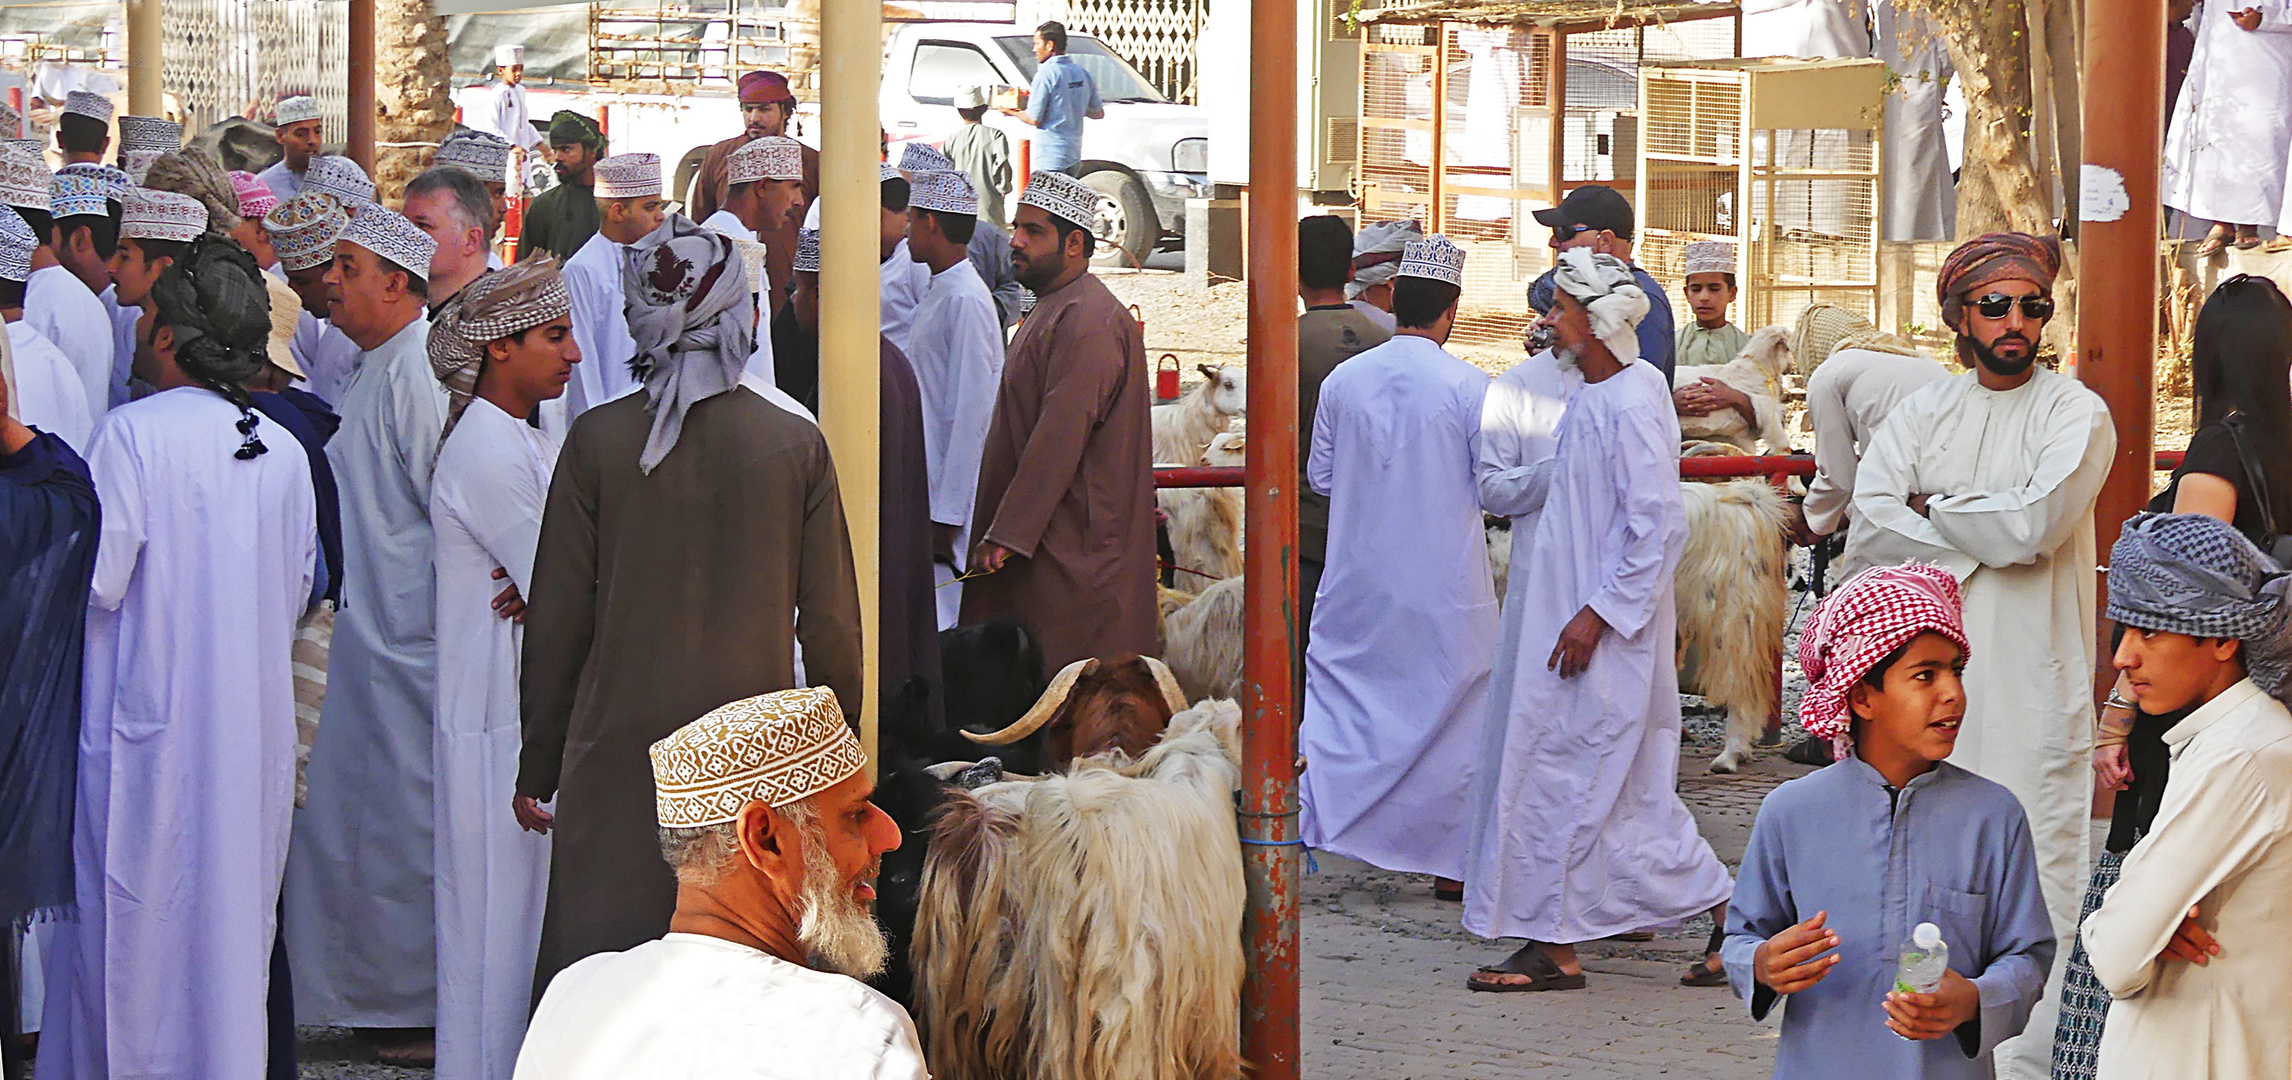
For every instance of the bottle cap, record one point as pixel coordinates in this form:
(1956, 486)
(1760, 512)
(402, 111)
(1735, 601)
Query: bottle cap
(1926, 936)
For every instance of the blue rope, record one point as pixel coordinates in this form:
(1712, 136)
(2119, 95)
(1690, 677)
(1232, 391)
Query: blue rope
(1311, 867)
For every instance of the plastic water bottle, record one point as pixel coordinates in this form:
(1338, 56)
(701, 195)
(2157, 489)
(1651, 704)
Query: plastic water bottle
(1924, 958)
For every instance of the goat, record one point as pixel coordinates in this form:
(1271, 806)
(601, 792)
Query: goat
(993, 673)
(1206, 523)
(907, 745)
(1184, 428)
(1087, 926)
(1203, 642)
(1730, 590)
(1092, 706)
(1757, 371)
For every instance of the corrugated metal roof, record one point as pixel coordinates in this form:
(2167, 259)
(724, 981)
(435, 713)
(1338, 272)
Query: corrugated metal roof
(1604, 13)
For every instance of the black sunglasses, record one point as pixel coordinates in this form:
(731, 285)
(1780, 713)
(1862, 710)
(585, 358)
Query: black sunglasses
(1561, 234)
(1995, 306)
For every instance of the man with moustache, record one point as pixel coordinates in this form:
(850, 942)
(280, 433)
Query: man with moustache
(763, 812)
(1992, 475)
(766, 107)
(564, 217)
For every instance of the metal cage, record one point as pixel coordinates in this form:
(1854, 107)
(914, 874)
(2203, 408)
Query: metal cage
(226, 58)
(1532, 101)
(1779, 156)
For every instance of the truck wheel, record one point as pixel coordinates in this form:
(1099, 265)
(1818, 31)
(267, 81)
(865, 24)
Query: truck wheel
(1125, 225)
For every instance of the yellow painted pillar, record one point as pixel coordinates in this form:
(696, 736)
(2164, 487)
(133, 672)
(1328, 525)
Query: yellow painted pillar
(143, 57)
(851, 371)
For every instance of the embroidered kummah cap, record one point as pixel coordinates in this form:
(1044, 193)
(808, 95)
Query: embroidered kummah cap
(628, 176)
(509, 56)
(24, 178)
(79, 194)
(778, 748)
(116, 177)
(149, 133)
(478, 153)
(808, 251)
(917, 156)
(1433, 257)
(95, 107)
(296, 109)
(1876, 612)
(387, 233)
(11, 123)
(161, 215)
(946, 192)
(1061, 196)
(333, 174)
(1709, 257)
(303, 230)
(886, 171)
(772, 157)
(255, 197)
(16, 245)
(971, 97)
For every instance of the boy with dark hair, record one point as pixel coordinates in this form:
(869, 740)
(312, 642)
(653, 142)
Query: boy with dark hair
(83, 129)
(981, 153)
(903, 279)
(83, 234)
(1845, 863)
(957, 352)
(1710, 288)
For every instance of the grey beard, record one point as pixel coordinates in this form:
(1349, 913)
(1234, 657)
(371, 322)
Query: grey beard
(839, 932)
(1568, 356)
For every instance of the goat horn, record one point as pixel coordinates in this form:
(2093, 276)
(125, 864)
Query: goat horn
(1061, 685)
(1172, 694)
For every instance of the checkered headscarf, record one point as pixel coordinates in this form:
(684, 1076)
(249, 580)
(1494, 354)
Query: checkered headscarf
(1876, 612)
(499, 303)
(2195, 574)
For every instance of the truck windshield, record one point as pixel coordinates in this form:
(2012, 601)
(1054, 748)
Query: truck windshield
(1116, 79)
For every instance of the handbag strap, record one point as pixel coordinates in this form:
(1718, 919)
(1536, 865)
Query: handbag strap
(2254, 476)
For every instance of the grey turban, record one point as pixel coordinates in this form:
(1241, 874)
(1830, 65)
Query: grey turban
(1610, 294)
(2195, 574)
(1377, 254)
(693, 319)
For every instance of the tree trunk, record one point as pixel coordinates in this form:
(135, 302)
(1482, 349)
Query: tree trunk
(412, 76)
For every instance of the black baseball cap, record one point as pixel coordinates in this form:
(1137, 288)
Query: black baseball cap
(1594, 206)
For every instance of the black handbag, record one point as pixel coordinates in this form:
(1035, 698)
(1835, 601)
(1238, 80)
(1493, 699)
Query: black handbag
(2276, 545)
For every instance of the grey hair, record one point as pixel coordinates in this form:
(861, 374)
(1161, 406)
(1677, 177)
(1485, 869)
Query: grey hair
(473, 204)
(702, 855)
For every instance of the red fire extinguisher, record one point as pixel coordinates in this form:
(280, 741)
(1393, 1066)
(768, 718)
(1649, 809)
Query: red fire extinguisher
(1166, 377)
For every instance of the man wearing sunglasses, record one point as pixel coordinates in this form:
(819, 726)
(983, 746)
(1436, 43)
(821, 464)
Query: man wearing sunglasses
(1596, 216)
(1992, 474)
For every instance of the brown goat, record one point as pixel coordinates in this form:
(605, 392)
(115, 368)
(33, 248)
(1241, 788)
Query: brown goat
(1093, 706)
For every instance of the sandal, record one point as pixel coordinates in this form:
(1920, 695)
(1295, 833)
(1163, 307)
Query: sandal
(1703, 974)
(2213, 241)
(1449, 891)
(2247, 240)
(1529, 963)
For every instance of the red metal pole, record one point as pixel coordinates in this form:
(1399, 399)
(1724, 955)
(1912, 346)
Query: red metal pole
(1270, 847)
(2117, 250)
(362, 110)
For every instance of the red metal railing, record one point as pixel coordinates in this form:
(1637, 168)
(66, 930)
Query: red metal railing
(1694, 468)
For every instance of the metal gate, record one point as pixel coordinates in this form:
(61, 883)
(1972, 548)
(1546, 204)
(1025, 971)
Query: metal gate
(1156, 36)
(226, 58)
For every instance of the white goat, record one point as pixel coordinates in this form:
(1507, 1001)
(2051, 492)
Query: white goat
(1184, 428)
(1087, 925)
(1757, 371)
(1732, 601)
(1203, 642)
(1206, 523)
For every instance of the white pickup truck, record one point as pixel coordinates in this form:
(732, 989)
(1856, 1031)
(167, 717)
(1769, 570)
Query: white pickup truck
(1146, 157)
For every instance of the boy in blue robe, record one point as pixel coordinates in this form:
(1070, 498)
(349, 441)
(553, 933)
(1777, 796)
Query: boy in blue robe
(1844, 863)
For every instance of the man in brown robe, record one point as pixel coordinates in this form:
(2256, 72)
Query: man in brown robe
(684, 551)
(1066, 485)
(766, 106)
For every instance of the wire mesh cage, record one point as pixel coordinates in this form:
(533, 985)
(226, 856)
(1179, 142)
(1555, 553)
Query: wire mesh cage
(226, 58)
(1780, 157)
(1518, 108)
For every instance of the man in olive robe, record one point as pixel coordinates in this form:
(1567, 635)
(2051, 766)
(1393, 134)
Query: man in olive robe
(686, 549)
(1064, 516)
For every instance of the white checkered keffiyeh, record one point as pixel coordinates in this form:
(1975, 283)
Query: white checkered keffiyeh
(1876, 612)
(778, 748)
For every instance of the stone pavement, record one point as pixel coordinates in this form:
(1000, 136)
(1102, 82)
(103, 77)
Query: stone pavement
(1384, 967)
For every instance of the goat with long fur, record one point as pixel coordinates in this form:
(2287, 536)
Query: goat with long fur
(1206, 523)
(1732, 599)
(1087, 926)
(1202, 642)
(1184, 428)
(1757, 371)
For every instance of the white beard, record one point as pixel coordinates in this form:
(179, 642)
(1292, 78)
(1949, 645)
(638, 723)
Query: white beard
(839, 932)
(1569, 358)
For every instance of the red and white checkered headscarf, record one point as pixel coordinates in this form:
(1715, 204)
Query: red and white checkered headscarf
(1876, 612)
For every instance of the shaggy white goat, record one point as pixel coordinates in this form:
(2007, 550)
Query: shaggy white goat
(1206, 523)
(1203, 642)
(1732, 601)
(1087, 925)
(1184, 428)
(1757, 371)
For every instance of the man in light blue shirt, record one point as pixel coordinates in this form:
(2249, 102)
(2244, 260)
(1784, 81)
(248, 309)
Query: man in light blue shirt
(1062, 96)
